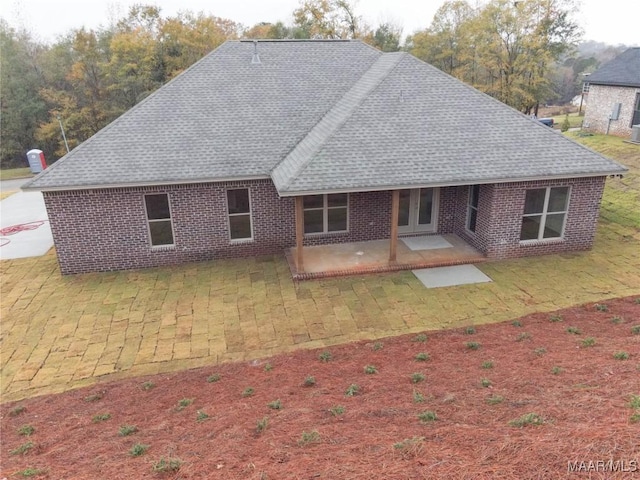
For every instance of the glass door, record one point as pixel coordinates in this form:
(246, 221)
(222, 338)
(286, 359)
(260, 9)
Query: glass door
(418, 210)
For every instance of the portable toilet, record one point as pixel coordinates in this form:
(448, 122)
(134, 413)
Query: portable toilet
(36, 160)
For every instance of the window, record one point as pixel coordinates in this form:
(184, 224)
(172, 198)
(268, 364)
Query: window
(159, 219)
(545, 210)
(325, 213)
(472, 207)
(239, 210)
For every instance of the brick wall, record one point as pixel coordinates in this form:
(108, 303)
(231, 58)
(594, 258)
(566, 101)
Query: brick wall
(102, 230)
(600, 101)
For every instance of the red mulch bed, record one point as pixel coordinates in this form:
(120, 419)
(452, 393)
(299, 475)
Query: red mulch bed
(585, 409)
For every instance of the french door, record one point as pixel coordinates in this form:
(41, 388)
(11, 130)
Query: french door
(418, 210)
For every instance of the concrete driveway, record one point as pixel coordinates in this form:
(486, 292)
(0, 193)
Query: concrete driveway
(24, 223)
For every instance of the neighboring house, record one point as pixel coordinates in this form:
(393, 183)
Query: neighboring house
(262, 146)
(613, 104)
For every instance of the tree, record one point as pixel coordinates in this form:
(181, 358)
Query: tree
(333, 19)
(386, 37)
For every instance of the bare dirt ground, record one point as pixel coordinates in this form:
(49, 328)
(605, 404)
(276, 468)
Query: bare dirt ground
(571, 378)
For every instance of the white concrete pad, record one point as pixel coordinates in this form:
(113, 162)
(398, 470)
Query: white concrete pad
(26, 212)
(449, 276)
(429, 242)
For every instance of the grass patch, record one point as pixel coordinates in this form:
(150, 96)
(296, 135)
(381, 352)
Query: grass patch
(573, 330)
(556, 370)
(126, 430)
(516, 323)
(495, 400)
(138, 449)
(410, 447)
(262, 424)
(523, 336)
(527, 419)
(146, 386)
(378, 346)
(93, 398)
(617, 320)
(417, 377)
(268, 367)
(337, 410)
(352, 390)
(13, 173)
(540, 351)
(427, 416)
(421, 338)
(472, 345)
(634, 402)
(214, 378)
(275, 405)
(23, 449)
(487, 365)
(325, 356)
(31, 472)
(310, 381)
(184, 403)
(555, 318)
(635, 418)
(422, 357)
(621, 355)
(309, 437)
(247, 392)
(26, 430)
(485, 382)
(635, 330)
(418, 397)
(167, 465)
(201, 416)
(20, 409)
(602, 307)
(588, 342)
(470, 330)
(101, 417)
(370, 369)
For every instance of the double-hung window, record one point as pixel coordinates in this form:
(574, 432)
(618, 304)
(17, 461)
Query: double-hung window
(545, 213)
(159, 219)
(472, 207)
(326, 213)
(239, 212)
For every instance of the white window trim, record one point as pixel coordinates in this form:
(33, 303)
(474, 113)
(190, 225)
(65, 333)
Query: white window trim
(544, 213)
(470, 207)
(325, 216)
(166, 246)
(229, 215)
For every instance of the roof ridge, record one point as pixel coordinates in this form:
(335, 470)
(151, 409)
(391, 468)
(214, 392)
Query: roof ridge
(285, 172)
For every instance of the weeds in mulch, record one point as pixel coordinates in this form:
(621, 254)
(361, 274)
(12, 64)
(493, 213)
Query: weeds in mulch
(418, 397)
(247, 392)
(201, 416)
(370, 369)
(556, 370)
(634, 402)
(635, 330)
(617, 320)
(93, 398)
(268, 367)
(472, 345)
(588, 342)
(309, 437)
(422, 357)
(487, 365)
(167, 465)
(420, 338)
(427, 416)
(637, 301)
(573, 330)
(470, 330)
(635, 418)
(275, 405)
(325, 356)
(527, 419)
(184, 403)
(417, 377)
(495, 399)
(410, 447)
(310, 381)
(555, 318)
(214, 378)
(262, 424)
(621, 356)
(352, 390)
(101, 417)
(540, 351)
(23, 449)
(15, 411)
(602, 307)
(126, 430)
(523, 336)
(138, 449)
(31, 472)
(146, 386)
(26, 430)
(337, 410)
(516, 323)
(485, 382)
(378, 346)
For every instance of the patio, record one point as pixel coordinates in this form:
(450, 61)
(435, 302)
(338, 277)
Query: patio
(414, 252)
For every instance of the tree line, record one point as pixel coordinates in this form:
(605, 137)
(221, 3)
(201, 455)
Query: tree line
(87, 78)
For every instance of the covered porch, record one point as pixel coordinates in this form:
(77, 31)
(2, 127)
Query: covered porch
(374, 256)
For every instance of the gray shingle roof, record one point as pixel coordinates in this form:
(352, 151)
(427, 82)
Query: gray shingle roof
(624, 70)
(319, 116)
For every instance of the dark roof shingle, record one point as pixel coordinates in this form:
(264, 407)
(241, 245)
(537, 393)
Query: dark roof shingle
(624, 70)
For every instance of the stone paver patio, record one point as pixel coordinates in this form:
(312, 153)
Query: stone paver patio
(60, 333)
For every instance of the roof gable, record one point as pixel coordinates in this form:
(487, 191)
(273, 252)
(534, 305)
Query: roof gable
(624, 70)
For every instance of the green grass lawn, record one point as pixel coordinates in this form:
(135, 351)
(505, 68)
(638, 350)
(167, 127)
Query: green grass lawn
(575, 121)
(11, 173)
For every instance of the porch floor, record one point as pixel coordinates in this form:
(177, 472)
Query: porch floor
(373, 256)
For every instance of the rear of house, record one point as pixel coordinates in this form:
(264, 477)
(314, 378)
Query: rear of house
(267, 146)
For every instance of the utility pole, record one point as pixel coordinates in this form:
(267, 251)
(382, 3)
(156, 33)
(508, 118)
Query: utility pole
(63, 135)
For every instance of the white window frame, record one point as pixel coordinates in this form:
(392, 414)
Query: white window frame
(157, 220)
(471, 207)
(229, 215)
(544, 213)
(325, 215)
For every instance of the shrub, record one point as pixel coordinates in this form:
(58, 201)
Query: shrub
(184, 403)
(310, 381)
(470, 330)
(635, 330)
(565, 125)
(495, 400)
(422, 357)
(352, 390)
(555, 318)
(418, 397)
(214, 378)
(309, 437)
(138, 449)
(573, 330)
(428, 416)
(247, 392)
(473, 345)
(487, 365)
(378, 346)
(101, 417)
(126, 430)
(527, 419)
(325, 356)
(262, 424)
(417, 377)
(275, 405)
(147, 386)
(24, 448)
(17, 410)
(588, 342)
(201, 416)
(621, 356)
(485, 382)
(167, 465)
(337, 410)
(420, 338)
(26, 430)
(370, 369)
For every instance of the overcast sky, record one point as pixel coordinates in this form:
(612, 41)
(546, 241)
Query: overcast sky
(609, 21)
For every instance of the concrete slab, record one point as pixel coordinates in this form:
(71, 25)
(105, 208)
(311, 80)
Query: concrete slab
(450, 276)
(427, 242)
(25, 226)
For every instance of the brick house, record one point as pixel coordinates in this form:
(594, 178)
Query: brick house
(264, 146)
(613, 102)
